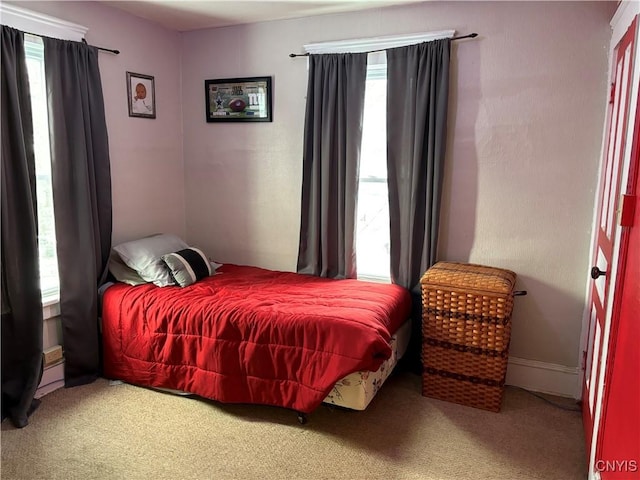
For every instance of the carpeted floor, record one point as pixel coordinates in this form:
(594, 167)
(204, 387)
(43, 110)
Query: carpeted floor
(103, 431)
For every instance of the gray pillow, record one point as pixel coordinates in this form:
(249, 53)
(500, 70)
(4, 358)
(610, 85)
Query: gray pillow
(188, 266)
(145, 256)
(122, 272)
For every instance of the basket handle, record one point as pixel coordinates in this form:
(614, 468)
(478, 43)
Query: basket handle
(519, 293)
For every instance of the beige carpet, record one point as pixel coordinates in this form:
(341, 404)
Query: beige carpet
(103, 431)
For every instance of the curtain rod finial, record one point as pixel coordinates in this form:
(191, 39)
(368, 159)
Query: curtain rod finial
(473, 35)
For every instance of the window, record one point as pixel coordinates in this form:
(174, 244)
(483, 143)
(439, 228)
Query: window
(40, 24)
(49, 279)
(372, 231)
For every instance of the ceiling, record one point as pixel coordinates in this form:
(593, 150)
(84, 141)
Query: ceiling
(185, 15)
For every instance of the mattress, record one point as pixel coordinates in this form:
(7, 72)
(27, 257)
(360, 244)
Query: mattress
(355, 391)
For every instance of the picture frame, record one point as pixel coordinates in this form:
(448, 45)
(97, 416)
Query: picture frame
(246, 99)
(141, 95)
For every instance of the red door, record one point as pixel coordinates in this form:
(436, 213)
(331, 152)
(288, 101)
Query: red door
(617, 117)
(618, 446)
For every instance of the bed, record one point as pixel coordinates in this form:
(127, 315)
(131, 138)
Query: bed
(250, 335)
(356, 390)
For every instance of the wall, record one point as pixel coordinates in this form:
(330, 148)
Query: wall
(146, 155)
(525, 129)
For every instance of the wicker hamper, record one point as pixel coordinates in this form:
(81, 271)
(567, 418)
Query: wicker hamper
(466, 327)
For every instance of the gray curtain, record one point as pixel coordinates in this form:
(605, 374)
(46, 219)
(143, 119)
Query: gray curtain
(81, 197)
(417, 102)
(21, 300)
(331, 156)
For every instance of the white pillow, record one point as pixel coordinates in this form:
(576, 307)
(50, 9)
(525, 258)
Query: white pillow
(145, 256)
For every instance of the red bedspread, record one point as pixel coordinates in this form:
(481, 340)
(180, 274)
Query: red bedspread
(249, 335)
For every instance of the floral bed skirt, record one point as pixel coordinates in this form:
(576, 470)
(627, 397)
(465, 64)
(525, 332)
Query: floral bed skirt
(356, 390)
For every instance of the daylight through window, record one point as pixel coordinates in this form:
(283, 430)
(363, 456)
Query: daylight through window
(49, 280)
(372, 234)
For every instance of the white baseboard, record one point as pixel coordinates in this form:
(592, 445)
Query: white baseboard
(543, 377)
(52, 379)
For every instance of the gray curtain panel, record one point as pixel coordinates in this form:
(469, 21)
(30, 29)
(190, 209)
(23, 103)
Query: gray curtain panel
(81, 176)
(417, 102)
(331, 156)
(21, 300)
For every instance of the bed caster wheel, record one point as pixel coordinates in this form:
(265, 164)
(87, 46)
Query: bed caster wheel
(302, 418)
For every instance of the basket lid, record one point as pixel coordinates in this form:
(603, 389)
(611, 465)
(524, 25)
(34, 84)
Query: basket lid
(470, 276)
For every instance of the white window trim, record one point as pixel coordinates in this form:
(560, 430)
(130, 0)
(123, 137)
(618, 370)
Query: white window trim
(40, 24)
(374, 279)
(361, 45)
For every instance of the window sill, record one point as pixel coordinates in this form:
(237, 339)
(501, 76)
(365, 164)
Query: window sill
(371, 278)
(50, 307)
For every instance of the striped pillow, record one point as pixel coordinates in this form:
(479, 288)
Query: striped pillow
(188, 266)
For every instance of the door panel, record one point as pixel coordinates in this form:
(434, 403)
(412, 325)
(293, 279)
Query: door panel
(594, 368)
(611, 148)
(609, 193)
(618, 446)
(620, 138)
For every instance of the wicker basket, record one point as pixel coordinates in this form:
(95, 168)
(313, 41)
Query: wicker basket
(466, 327)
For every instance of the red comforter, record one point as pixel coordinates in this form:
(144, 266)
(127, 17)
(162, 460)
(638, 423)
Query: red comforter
(249, 335)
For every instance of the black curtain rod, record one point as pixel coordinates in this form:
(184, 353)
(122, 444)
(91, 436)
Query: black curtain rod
(471, 35)
(115, 52)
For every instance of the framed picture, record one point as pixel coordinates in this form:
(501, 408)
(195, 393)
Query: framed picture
(238, 99)
(141, 95)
